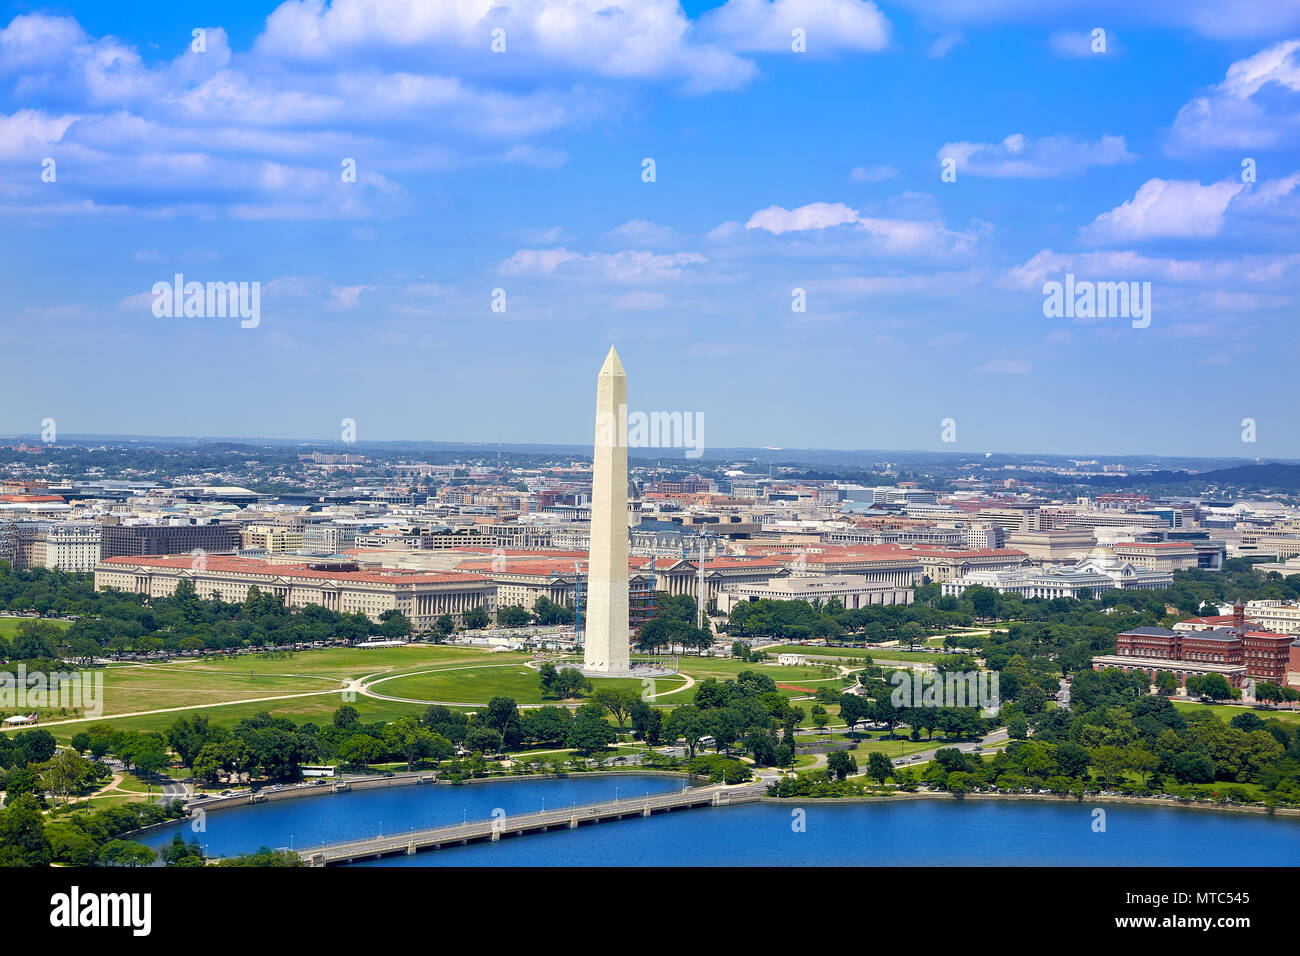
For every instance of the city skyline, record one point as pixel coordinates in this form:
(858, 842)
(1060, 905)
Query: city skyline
(774, 171)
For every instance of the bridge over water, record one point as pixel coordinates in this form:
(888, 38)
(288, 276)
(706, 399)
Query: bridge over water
(506, 826)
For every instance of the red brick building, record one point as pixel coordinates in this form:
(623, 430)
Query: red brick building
(1237, 652)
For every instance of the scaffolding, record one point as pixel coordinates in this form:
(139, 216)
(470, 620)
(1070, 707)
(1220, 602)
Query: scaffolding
(641, 602)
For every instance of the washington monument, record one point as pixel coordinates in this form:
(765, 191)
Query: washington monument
(607, 631)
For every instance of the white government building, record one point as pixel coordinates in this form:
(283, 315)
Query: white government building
(1099, 570)
(852, 590)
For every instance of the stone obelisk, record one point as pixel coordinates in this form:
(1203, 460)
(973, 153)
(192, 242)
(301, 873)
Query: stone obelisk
(607, 629)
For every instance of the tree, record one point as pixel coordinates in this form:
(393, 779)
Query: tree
(647, 722)
(819, 716)
(395, 625)
(187, 736)
(1108, 762)
(476, 618)
(502, 715)
(841, 763)
(685, 722)
(513, 615)
(65, 772)
(127, 853)
(590, 731)
(484, 740)
(22, 834)
(618, 702)
(346, 717)
(879, 767)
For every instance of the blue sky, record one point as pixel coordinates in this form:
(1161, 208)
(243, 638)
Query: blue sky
(774, 171)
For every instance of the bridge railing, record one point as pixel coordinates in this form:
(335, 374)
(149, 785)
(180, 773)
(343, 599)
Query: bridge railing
(458, 831)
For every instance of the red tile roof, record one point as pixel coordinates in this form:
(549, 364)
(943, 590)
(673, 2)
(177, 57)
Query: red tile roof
(236, 565)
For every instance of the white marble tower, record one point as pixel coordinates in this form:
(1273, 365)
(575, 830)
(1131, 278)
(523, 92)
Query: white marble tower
(607, 629)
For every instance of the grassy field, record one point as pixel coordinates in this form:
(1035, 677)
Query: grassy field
(9, 625)
(848, 654)
(468, 684)
(150, 687)
(309, 685)
(1225, 712)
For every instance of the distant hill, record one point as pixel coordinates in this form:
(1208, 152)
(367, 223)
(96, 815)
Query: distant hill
(1275, 477)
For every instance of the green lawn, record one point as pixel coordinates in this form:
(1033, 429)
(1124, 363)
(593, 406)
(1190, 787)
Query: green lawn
(877, 654)
(9, 625)
(227, 689)
(467, 684)
(155, 686)
(1225, 712)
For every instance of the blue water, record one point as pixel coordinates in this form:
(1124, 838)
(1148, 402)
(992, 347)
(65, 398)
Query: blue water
(309, 821)
(922, 832)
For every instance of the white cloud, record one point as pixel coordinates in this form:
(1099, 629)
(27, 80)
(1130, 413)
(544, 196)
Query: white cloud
(643, 230)
(1210, 18)
(1082, 44)
(1133, 266)
(830, 26)
(1162, 208)
(884, 234)
(817, 215)
(944, 44)
(1257, 106)
(1048, 156)
(626, 266)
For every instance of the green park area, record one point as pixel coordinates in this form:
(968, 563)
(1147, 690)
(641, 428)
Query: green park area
(9, 625)
(308, 686)
(1225, 712)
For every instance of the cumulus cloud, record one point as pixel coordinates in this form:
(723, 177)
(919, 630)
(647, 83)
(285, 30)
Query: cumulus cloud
(884, 234)
(1044, 157)
(829, 26)
(399, 85)
(1162, 208)
(1257, 106)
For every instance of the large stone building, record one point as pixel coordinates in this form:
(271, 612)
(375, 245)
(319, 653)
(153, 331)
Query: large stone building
(1101, 570)
(421, 596)
(66, 545)
(853, 591)
(129, 540)
(1236, 652)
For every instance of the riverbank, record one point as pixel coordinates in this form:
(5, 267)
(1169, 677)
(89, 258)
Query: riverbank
(351, 784)
(1047, 798)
